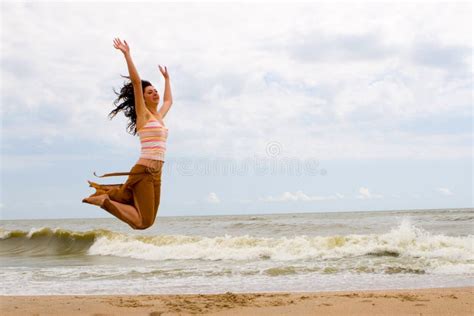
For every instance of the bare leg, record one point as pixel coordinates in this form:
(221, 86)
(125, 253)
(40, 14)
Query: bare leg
(124, 212)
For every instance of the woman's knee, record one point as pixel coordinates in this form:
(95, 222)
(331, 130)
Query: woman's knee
(134, 225)
(144, 224)
(139, 227)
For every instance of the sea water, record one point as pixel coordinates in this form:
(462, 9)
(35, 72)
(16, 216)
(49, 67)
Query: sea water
(240, 253)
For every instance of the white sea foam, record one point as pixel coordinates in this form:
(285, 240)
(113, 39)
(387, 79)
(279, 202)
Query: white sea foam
(293, 252)
(435, 253)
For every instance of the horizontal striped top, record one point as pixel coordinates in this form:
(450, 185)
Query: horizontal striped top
(153, 138)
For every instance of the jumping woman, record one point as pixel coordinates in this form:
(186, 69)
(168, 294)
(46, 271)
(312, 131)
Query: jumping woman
(137, 200)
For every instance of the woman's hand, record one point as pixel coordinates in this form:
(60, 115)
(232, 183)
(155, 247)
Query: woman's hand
(164, 72)
(123, 47)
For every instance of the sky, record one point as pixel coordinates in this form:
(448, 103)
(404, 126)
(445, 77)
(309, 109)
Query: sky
(277, 107)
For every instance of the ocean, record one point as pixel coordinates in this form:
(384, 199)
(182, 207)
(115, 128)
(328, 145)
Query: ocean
(297, 252)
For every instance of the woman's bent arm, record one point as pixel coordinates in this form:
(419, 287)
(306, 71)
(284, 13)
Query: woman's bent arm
(167, 98)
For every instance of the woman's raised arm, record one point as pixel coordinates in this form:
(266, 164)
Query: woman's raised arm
(140, 107)
(167, 98)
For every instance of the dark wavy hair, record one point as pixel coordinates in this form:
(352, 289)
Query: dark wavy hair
(125, 103)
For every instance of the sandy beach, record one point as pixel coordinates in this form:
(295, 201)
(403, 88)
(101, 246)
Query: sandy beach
(442, 301)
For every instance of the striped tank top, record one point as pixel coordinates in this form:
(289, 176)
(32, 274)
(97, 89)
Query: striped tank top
(153, 138)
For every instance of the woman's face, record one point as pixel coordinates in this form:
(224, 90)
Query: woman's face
(151, 96)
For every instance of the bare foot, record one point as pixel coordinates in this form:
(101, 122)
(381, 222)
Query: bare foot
(96, 200)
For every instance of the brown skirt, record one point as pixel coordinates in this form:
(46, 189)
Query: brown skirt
(141, 190)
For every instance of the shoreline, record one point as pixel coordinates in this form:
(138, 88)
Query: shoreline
(425, 301)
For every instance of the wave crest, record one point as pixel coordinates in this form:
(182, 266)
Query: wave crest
(404, 241)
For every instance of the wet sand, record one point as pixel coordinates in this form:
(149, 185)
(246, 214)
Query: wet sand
(443, 301)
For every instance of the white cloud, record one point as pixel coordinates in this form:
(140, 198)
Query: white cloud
(444, 191)
(347, 99)
(212, 198)
(299, 196)
(364, 193)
